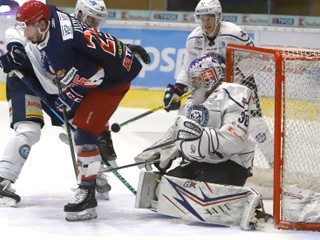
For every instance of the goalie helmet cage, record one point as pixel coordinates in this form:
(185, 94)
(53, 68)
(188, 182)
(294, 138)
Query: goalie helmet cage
(288, 88)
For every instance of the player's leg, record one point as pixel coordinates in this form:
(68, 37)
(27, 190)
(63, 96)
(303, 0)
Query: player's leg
(106, 149)
(88, 158)
(26, 120)
(99, 106)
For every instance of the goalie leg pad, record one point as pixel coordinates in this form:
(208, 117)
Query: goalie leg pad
(147, 185)
(207, 202)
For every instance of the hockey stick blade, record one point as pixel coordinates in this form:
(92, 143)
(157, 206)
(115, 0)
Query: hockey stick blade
(64, 138)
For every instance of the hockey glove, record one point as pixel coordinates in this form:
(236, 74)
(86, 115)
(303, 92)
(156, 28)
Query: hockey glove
(172, 93)
(138, 50)
(14, 58)
(70, 100)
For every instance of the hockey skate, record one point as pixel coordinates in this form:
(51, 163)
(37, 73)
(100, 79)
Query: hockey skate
(102, 186)
(8, 197)
(83, 206)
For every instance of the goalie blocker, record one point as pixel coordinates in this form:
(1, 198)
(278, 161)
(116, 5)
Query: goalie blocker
(200, 201)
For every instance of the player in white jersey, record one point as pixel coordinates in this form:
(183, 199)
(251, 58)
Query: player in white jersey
(27, 119)
(211, 134)
(212, 36)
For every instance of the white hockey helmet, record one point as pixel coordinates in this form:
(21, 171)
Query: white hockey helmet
(92, 12)
(209, 8)
(205, 72)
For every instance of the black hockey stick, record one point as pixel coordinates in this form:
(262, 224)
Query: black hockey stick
(115, 127)
(28, 83)
(132, 165)
(68, 130)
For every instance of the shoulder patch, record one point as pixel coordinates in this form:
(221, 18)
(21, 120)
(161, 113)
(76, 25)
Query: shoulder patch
(199, 113)
(65, 26)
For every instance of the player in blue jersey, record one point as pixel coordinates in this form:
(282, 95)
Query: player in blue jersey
(95, 70)
(25, 104)
(13, 60)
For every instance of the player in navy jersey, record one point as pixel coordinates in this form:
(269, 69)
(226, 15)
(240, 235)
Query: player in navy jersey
(26, 104)
(95, 70)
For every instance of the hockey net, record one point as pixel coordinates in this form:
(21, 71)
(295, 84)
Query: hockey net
(286, 128)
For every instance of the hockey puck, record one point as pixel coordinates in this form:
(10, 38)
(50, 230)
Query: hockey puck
(115, 127)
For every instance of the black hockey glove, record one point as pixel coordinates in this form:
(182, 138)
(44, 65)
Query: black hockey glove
(172, 93)
(14, 58)
(136, 49)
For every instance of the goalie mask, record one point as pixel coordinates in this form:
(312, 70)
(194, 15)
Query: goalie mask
(205, 72)
(208, 14)
(92, 12)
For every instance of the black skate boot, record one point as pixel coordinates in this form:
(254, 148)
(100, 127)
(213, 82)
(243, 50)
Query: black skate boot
(8, 198)
(83, 206)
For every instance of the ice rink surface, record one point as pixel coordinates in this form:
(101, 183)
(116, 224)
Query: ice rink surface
(47, 178)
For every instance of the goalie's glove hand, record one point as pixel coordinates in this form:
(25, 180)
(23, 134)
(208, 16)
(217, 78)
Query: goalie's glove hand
(14, 58)
(138, 50)
(70, 100)
(171, 94)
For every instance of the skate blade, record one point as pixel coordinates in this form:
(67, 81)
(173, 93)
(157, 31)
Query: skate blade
(7, 202)
(102, 196)
(87, 214)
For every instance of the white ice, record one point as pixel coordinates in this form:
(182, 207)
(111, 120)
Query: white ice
(47, 178)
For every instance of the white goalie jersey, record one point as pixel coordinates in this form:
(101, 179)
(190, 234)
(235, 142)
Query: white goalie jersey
(198, 45)
(45, 78)
(223, 120)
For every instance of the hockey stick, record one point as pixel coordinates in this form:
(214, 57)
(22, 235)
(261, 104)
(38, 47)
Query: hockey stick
(68, 130)
(132, 165)
(28, 83)
(43, 97)
(115, 127)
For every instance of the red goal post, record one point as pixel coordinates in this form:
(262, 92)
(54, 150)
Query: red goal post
(288, 93)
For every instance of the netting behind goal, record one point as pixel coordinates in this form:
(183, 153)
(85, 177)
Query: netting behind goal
(286, 127)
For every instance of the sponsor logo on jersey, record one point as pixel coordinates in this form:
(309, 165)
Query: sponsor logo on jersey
(67, 78)
(127, 60)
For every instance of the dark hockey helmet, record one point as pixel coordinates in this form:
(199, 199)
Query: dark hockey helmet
(32, 12)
